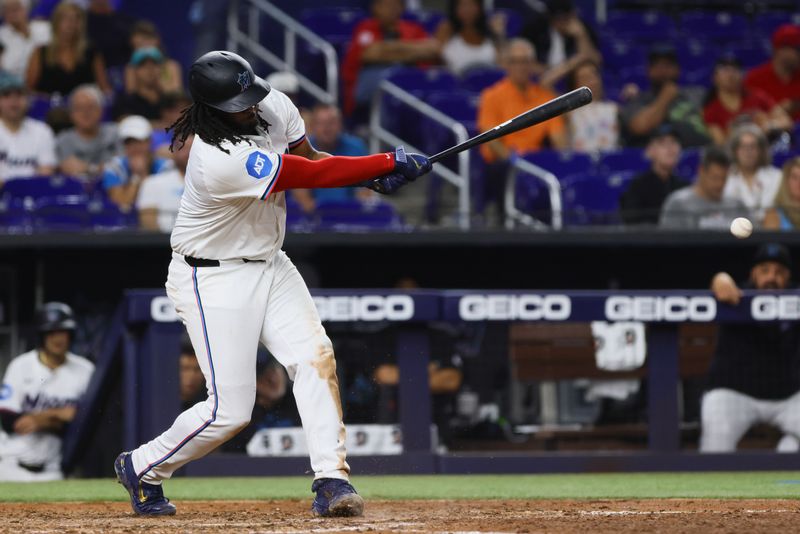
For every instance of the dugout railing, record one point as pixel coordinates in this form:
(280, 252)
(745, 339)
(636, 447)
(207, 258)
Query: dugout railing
(143, 342)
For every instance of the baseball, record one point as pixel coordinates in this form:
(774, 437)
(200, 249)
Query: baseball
(741, 227)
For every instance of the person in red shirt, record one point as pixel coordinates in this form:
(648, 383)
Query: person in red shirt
(780, 76)
(729, 103)
(379, 43)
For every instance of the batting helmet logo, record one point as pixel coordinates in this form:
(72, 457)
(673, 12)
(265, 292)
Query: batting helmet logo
(244, 80)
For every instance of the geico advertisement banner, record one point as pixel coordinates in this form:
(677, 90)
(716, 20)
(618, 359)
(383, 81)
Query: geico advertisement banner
(345, 308)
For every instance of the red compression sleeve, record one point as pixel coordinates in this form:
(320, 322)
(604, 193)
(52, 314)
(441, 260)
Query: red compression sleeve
(337, 171)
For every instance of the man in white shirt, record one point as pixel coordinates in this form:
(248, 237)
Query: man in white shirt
(27, 146)
(20, 36)
(38, 398)
(160, 194)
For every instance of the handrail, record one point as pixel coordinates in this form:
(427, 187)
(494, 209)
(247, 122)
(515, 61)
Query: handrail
(553, 188)
(291, 31)
(459, 179)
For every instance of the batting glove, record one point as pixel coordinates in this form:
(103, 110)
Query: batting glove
(411, 166)
(386, 184)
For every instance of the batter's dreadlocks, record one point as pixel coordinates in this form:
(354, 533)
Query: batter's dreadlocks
(209, 124)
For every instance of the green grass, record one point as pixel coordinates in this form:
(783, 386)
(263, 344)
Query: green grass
(767, 485)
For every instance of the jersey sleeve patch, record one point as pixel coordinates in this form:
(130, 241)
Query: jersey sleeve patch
(6, 391)
(258, 165)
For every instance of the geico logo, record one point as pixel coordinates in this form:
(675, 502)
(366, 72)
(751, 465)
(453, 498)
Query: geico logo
(514, 307)
(675, 308)
(772, 307)
(162, 310)
(365, 308)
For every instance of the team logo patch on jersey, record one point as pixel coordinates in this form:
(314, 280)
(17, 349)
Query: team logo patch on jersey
(244, 81)
(258, 165)
(5, 392)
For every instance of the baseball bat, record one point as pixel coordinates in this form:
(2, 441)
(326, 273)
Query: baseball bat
(558, 106)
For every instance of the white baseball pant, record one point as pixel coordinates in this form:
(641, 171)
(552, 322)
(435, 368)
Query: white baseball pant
(227, 310)
(726, 416)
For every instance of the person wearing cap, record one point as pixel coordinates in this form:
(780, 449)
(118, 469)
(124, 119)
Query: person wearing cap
(145, 100)
(39, 396)
(145, 35)
(20, 36)
(160, 194)
(84, 149)
(702, 206)
(27, 146)
(70, 59)
(780, 76)
(641, 202)
(123, 175)
(755, 374)
(665, 102)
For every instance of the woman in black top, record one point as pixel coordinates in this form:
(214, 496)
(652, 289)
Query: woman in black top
(69, 60)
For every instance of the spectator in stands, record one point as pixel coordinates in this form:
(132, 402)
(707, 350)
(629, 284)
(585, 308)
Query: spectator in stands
(594, 127)
(190, 376)
(144, 35)
(40, 392)
(752, 180)
(755, 374)
(729, 102)
(273, 408)
(27, 146)
(145, 100)
(20, 36)
(702, 206)
(780, 76)
(328, 136)
(468, 37)
(514, 94)
(110, 30)
(124, 174)
(641, 202)
(378, 43)
(160, 194)
(561, 40)
(171, 106)
(70, 59)
(664, 102)
(786, 213)
(84, 149)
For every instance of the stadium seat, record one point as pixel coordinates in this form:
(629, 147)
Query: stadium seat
(42, 186)
(514, 21)
(779, 158)
(623, 159)
(478, 79)
(688, 164)
(429, 20)
(621, 54)
(354, 215)
(420, 82)
(39, 107)
(14, 218)
(642, 26)
(457, 105)
(296, 220)
(105, 215)
(593, 198)
(561, 163)
(61, 213)
(766, 23)
(333, 24)
(714, 25)
(749, 53)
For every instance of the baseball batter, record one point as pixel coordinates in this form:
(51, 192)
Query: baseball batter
(233, 287)
(40, 391)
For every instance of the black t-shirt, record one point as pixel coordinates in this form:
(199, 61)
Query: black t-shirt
(641, 202)
(759, 360)
(133, 104)
(56, 79)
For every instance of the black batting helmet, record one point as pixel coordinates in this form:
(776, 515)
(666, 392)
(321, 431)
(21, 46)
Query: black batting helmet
(55, 316)
(225, 81)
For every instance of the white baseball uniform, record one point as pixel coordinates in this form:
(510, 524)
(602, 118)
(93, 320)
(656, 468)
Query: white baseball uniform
(31, 386)
(230, 213)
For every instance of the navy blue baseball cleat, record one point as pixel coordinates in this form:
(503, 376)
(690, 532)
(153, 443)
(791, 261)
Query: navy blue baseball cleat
(336, 498)
(146, 499)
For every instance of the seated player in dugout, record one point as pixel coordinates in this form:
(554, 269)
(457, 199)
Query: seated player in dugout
(191, 381)
(755, 374)
(38, 399)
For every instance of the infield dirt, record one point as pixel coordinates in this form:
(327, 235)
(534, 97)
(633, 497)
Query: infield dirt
(671, 516)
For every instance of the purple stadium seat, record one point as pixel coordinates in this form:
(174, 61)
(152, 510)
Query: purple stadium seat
(749, 53)
(42, 186)
(39, 106)
(642, 26)
(593, 198)
(296, 220)
(714, 25)
(561, 163)
(623, 159)
(357, 216)
(332, 23)
(478, 79)
(422, 81)
(514, 21)
(766, 23)
(105, 215)
(14, 217)
(429, 20)
(61, 213)
(621, 53)
(689, 162)
(779, 158)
